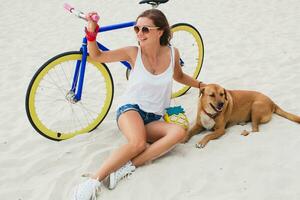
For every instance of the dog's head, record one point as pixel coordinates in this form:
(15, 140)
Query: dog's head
(213, 98)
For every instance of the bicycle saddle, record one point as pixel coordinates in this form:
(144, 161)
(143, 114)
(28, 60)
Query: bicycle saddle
(153, 2)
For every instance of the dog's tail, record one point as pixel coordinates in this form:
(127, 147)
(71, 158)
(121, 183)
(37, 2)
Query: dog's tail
(286, 115)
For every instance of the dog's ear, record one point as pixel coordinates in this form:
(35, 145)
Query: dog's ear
(225, 93)
(201, 91)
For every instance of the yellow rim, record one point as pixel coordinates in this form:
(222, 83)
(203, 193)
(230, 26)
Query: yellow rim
(46, 130)
(200, 55)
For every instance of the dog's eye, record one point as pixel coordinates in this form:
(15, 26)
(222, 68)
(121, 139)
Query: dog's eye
(221, 94)
(212, 95)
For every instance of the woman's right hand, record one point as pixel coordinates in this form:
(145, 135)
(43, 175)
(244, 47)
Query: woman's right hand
(92, 19)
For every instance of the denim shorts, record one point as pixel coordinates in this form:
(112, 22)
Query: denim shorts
(147, 117)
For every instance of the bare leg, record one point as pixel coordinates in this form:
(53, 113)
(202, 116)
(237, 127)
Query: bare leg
(133, 128)
(164, 137)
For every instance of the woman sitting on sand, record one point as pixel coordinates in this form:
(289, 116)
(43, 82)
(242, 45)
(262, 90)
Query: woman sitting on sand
(154, 66)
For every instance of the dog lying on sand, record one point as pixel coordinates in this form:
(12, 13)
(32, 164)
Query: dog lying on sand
(219, 108)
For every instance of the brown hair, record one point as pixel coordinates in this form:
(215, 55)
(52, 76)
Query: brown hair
(159, 19)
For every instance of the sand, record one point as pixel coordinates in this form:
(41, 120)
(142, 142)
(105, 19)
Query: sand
(250, 45)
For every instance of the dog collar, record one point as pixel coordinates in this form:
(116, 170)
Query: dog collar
(213, 116)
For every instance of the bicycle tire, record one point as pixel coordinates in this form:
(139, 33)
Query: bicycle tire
(189, 36)
(49, 111)
(187, 39)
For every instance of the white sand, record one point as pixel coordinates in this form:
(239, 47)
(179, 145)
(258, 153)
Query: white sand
(248, 45)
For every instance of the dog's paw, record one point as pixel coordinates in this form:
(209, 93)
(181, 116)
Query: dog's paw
(199, 146)
(245, 133)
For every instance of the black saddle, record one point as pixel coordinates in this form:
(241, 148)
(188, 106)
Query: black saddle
(153, 2)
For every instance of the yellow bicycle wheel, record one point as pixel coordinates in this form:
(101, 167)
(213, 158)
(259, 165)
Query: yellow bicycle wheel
(49, 107)
(188, 41)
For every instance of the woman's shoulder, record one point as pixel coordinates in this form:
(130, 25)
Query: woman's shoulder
(173, 48)
(176, 51)
(132, 53)
(132, 50)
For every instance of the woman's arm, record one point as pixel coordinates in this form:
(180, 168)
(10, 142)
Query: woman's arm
(183, 78)
(122, 54)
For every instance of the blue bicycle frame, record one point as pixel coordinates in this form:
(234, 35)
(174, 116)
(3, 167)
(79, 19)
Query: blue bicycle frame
(80, 65)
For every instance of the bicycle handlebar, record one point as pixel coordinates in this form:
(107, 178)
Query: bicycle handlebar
(79, 14)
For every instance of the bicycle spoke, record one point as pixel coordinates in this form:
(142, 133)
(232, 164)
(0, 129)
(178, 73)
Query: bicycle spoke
(68, 79)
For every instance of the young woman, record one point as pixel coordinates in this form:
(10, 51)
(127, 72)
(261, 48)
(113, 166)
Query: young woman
(154, 66)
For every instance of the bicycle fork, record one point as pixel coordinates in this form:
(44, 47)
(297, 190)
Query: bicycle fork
(74, 95)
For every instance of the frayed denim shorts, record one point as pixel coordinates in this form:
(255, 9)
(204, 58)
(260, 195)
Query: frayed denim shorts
(147, 117)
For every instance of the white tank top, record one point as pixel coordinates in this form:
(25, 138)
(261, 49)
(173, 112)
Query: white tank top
(151, 92)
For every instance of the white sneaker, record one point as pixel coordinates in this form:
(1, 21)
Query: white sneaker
(87, 190)
(116, 176)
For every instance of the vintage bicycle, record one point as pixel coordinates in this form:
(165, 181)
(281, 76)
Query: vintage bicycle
(71, 94)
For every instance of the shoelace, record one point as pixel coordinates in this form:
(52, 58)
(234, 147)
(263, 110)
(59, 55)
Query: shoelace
(96, 189)
(124, 172)
(95, 192)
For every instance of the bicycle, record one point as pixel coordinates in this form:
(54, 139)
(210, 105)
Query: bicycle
(59, 106)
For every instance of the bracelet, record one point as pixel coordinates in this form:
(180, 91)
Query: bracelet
(199, 84)
(91, 36)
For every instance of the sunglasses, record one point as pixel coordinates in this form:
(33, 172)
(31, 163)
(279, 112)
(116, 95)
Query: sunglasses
(144, 29)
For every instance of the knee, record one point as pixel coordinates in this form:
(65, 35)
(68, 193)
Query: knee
(137, 146)
(180, 134)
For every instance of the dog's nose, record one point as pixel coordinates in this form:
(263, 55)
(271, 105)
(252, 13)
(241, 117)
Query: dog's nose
(220, 105)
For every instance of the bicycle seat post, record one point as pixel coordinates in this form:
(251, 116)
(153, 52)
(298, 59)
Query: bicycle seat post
(154, 3)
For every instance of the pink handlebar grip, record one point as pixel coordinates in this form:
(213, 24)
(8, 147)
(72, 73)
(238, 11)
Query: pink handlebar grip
(95, 17)
(68, 7)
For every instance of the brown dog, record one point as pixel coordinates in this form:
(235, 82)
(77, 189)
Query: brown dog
(219, 108)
